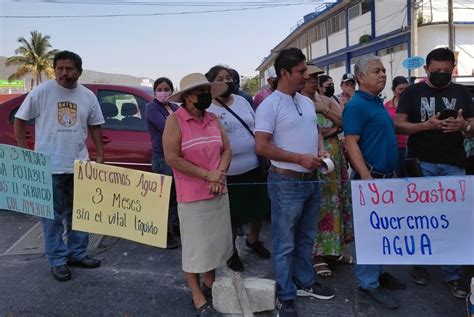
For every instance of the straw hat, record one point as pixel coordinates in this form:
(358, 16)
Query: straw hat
(195, 80)
(313, 69)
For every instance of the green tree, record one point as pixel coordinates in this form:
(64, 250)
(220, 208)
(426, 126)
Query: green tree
(252, 85)
(33, 57)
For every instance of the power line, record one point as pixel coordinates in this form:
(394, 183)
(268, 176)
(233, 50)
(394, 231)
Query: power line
(275, 5)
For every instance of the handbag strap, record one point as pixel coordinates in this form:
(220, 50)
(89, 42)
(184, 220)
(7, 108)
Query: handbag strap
(236, 116)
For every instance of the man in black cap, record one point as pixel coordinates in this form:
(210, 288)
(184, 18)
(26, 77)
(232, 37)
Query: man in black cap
(348, 84)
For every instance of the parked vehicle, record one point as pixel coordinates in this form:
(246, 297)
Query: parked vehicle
(125, 134)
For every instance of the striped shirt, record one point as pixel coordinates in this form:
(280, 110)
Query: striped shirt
(201, 145)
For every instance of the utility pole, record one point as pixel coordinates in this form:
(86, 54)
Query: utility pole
(450, 25)
(414, 35)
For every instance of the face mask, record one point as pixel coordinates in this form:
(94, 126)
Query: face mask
(230, 90)
(329, 91)
(162, 96)
(438, 79)
(204, 101)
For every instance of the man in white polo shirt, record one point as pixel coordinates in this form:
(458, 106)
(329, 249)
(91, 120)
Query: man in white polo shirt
(286, 133)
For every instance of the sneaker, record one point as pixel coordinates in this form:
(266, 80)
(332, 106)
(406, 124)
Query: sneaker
(171, 242)
(388, 281)
(316, 290)
(420, 275)
(259, 249)
(381, 296)
(234, 263)
(286, 308)
(86, 263)
(457, 289)
(61, 273)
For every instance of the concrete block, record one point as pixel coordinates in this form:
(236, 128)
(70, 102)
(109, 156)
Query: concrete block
(260, 292)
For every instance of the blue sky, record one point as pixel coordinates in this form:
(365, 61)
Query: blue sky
(154, 46)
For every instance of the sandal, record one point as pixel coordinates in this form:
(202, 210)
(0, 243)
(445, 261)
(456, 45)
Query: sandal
(345, 259)
(206, 310)
(322, 269)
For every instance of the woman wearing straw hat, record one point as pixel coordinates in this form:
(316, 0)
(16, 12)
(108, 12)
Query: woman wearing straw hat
(197, 149)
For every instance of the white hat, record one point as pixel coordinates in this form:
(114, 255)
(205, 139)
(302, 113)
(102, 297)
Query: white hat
(272, 73)
(195, 80)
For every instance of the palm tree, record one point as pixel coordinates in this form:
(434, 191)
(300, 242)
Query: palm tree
(33, 58)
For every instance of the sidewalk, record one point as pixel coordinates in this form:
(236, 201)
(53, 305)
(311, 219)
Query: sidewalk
(139, 280)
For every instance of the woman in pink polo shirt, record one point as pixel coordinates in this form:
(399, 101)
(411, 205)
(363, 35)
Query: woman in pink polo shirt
(399, 84)
(197, 149)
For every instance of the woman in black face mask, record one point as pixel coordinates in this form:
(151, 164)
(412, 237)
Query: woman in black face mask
(249, 202)
(326, 87)
(198, 150)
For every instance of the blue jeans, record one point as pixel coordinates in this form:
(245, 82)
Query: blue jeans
(368, 275)
(400, 167)
(56, 250)
(451, 272)
(294, 207)
(158, 165)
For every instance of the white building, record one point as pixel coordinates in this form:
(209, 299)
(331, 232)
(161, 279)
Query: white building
(336, 34)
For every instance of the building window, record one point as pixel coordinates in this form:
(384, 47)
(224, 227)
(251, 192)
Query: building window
(359, 9)
(336, 65)
(393, 49)
(336, 23)
(317, 33)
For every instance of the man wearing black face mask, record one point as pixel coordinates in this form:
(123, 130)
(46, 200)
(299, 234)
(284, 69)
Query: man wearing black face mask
(437, 114)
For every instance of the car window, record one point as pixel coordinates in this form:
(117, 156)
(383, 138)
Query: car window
(122, 111)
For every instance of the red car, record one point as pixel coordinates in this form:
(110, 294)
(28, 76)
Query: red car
(125, 134)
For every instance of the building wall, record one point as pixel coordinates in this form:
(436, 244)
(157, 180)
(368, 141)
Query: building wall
(464, 34)
(433, 36)
(337, 41)
(393, 65)
(390, 16)
(318, 49)
(359, 26)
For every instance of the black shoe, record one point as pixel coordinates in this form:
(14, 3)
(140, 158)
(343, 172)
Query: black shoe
(259, 249)
(457, 289)
(286, 308)
(381, 296)
(234, 263)
(316, 290)
(171, 242)
(388, 281)
(420, 275)
(206, 310)
(207, 291)
(85, 263)
(61, 273)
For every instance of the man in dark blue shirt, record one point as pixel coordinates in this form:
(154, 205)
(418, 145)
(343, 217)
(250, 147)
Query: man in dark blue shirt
(372, 148)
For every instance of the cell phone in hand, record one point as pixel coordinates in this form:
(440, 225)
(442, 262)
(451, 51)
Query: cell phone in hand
(447, 113)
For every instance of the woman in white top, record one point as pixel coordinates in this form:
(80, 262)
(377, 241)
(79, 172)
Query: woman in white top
(248, 201)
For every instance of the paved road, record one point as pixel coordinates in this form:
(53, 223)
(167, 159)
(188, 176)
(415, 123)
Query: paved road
(138, 280)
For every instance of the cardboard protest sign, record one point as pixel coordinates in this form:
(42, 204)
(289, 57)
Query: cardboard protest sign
(121, 202)
(425, 220)
(25, 181)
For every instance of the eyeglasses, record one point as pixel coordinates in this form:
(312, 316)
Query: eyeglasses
(297, 106)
